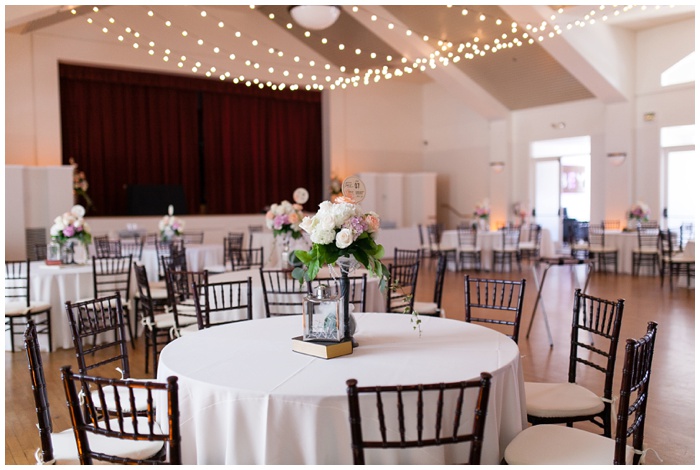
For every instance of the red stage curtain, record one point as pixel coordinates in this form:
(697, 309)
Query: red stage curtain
(234, 149)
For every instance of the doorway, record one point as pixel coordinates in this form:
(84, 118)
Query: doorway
(562, 182)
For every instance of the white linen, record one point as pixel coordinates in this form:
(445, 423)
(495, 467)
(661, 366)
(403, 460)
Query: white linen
(198, 256)
(56, 285)
(374, 300)
(247, 398)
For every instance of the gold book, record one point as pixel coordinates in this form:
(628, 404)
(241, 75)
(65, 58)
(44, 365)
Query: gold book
(322, 349)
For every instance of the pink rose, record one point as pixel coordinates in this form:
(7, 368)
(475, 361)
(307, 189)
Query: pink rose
(372, 221)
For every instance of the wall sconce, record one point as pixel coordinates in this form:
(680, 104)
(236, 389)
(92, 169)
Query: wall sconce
(617, 158)
(315, 16)
(497, 167)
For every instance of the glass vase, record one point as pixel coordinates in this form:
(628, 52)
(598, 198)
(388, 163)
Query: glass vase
(68, 252)
(346, 265)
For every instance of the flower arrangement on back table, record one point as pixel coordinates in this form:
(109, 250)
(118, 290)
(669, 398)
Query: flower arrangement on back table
(482, 209)
(170, 226)
(640, 212)
(284, 218)
(71, 226)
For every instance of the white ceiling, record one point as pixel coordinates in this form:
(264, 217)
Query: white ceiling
(518, 77)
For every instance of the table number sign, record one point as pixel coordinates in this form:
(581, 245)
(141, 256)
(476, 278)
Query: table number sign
(354, 189)
(300, 195)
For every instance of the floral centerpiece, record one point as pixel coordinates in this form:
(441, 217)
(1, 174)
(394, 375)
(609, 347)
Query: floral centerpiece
(639, 212)
(482, 210)
(519, 212)
(170, 226)
(340, 231)
(284, 218)
(71, 226)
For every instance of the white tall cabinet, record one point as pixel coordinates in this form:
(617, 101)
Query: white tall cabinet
(401, 199)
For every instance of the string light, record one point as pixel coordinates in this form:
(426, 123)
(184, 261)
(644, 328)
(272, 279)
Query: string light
(445, 52)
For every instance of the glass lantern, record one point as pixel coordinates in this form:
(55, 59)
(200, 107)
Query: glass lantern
(53, 252)
(322, 316)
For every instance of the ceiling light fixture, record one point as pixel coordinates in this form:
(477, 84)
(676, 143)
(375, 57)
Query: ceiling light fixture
(497, 167)
(617, 158)
(315, 16)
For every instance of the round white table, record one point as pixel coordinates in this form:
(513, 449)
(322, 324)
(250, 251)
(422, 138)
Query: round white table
(55, 285)
(247, 398)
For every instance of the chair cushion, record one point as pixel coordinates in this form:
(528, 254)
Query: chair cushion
(468, 249)
(65, 449)
(426, 308)
(527, 245)
(157, 285)
(602, 249)
(559, 400)
(216, 269)
(580, 247)
(646, 250)
(550, 444)
(19, 308)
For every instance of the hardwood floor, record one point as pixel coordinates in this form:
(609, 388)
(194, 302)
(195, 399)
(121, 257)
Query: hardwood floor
(670, 427)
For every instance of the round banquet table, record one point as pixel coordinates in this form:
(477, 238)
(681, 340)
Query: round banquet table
(198, 257)
(247, 398)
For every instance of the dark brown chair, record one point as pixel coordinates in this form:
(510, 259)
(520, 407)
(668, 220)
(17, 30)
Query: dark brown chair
(434, 308)
(599, 321)
(402, 287)
(40, 252)
(530, 242)
(220, 303)
(192, 238)
(181, 298)
(104, 247)
(58, 448)
(251, 230)
(403, 256)
(357, 286)
(100, 316)
(282, 293)
(468, 251)
(233, 244)
(157, 322)
(597, 249)
(149, 444)
(507, 250)
(113, 274)
(558, 445)
(133, 247)
(646, 255)
(169, 249)
(18, 308)
(448, 399)
(495, 302)
(249, 258)
(675, 263)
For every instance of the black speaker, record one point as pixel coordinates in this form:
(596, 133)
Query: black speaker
(155, 199)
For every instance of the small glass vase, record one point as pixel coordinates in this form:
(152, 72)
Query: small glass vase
(483, 224)
(68, 252)
(346, 264)
(285, 252)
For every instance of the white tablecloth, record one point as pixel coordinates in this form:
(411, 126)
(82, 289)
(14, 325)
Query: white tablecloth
(487, 241)
(56, 285)
(198, 257)
(374, 300)
(247, 398)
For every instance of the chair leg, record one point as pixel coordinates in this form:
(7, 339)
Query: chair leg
(147, 347)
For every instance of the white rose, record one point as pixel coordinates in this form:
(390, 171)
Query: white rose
(55, 230)
(58, 223)
(326, 221)
(344, 238)
(308, 224)
(325, 207)
(342, 212)
(78, 211)
(322, 237)
(79, 223)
